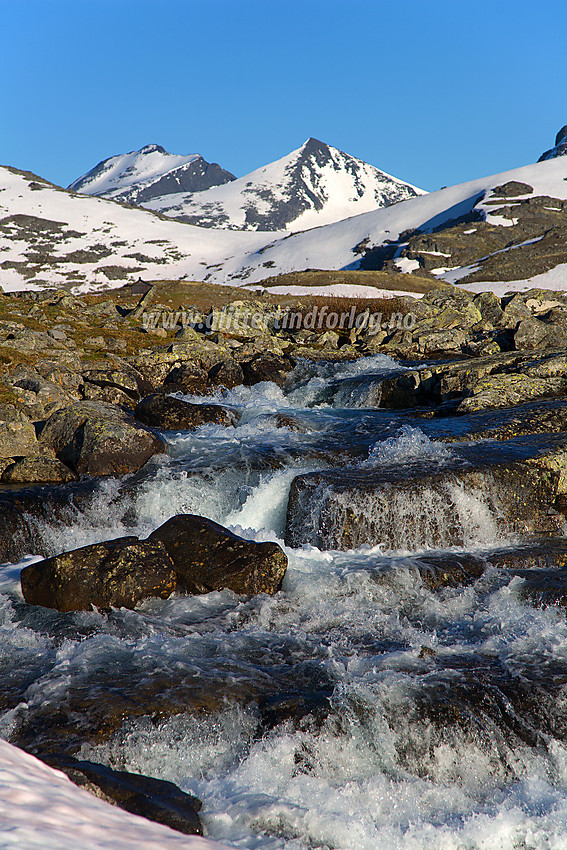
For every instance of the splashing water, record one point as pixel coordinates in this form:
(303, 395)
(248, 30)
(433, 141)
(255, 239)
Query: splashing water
(357, 709)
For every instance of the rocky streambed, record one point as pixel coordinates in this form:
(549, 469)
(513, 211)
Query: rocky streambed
(324, 594)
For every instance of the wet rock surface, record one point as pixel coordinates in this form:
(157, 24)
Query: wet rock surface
(209, 557)
(154, 799)
(171, 414)
(428, 504)
(116, 573)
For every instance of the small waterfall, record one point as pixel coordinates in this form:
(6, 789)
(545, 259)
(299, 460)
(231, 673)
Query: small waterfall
(434, 513)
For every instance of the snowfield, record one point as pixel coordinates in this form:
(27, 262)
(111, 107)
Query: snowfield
(98, 244)
(41, 809)
(331, 247)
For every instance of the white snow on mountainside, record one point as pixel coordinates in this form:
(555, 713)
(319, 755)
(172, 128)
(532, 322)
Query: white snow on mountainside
(41, 808)
(141, 175)
(342, 245)
(314, 185)
(51, 237)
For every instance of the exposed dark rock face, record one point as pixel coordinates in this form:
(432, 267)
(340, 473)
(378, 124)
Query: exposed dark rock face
(154, 799)
(560, 148)
(171, 414)
(209, 557)
(117, 573)
(96, 438)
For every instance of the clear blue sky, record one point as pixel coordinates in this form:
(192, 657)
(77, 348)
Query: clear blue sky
(432, 91)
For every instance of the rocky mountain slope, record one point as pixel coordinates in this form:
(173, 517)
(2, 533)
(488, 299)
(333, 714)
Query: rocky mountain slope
(509, 227)
(141, 176)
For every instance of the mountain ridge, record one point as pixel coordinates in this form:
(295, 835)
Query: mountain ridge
(139, 176)
(313, 185)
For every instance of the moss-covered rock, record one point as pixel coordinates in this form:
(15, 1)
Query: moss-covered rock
(94, 438)
(209, 557)
(116, 573)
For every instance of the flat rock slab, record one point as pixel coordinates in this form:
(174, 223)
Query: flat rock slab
(407, 506)
(541, 557)
(481, 383)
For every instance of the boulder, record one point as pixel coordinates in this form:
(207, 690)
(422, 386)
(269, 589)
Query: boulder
(228, 374)
(116, 573)
(173, 414)
(489, 307)
(95, 438)
(36, 395)
(154, 799)
(209, 557)
(186, 378)
(17, 434)
(267, 367)
(40, 469)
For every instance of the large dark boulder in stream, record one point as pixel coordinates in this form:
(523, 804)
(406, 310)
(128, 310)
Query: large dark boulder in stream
(154, 799)
(173, 414)
(96, 438)
(267, 367)
(116, 573)
(209, 557)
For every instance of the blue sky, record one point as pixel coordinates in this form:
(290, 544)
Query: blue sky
(431, 91)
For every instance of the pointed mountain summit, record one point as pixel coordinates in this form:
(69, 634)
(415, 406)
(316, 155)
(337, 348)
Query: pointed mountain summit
(313, 185)
(140, 176)
(560, 148)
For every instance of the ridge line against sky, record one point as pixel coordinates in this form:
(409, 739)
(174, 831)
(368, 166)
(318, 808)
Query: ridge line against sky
(434, 93)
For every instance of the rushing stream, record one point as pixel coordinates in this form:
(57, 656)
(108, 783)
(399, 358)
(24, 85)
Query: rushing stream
(357, 709)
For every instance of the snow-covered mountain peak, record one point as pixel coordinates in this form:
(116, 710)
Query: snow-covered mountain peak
(314, 185)
(150, 172)
(560, 148)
